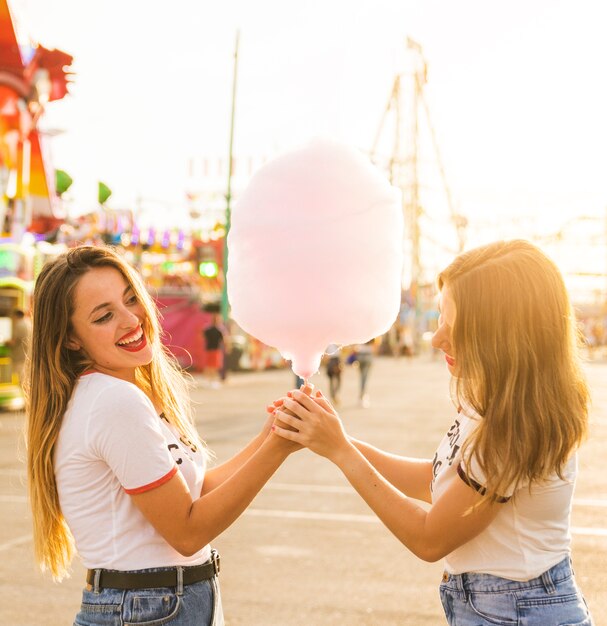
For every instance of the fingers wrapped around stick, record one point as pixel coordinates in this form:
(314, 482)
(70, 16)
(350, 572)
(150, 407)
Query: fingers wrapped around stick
(300, 399)
(320, 399)
(285, 410)
(294, 413)
(286, 421)
(311, 422)
(288, 417)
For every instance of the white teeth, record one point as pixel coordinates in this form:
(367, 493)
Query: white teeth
(134, 338)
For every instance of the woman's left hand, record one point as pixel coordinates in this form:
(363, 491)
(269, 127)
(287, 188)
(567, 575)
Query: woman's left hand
(317, 425)
(271, 409)
(266, 429)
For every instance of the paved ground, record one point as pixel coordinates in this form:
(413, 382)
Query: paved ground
(308, 552)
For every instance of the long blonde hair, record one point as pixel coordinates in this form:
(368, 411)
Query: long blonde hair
(51, 374)
(517, 352)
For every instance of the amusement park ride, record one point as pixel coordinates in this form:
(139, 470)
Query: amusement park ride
(30, 77)
(399, 131)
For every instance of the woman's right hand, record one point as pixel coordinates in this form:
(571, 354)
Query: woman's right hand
(313, 423)
(275, 420)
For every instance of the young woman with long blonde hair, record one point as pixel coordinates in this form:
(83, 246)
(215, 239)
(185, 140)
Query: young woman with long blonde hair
(116, 469)
(501, 482)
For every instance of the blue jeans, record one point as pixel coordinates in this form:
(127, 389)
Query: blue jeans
(551, 599)
(198, 604)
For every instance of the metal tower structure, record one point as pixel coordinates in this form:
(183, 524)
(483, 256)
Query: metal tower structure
(405, 107)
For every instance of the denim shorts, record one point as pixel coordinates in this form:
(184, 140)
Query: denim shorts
(198, 604)
(551, 599)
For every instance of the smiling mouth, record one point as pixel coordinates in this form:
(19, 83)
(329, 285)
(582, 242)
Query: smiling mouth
(450, 360)
(133, 342)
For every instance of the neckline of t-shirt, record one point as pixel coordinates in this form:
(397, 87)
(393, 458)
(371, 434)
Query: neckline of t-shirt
(88, 373)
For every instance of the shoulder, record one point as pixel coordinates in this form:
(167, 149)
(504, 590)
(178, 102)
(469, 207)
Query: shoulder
(114, 414)
(109, 396)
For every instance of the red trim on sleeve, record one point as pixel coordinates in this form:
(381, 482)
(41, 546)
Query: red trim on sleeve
(153, 485)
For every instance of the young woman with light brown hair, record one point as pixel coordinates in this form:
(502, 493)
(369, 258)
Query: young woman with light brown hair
(501, 482)
(116, 469)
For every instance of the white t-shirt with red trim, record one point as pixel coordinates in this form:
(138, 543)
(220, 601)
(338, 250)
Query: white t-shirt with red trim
(530, 534)
(112, 444)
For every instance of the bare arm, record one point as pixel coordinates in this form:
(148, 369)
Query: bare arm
(410, 476)
(219, 474)
(188, 525)
(215, 476)
(431, 534)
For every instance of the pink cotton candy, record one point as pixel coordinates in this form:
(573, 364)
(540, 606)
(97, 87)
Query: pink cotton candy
(316, 253)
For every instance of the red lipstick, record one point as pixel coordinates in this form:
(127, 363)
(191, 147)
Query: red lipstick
(133, 346)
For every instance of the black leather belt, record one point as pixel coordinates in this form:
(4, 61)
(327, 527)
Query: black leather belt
(113, 579)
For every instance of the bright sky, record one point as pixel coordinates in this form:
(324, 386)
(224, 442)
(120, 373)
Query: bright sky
(516, 90)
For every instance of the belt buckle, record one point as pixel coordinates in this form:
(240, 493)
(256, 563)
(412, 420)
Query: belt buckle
(215, 561)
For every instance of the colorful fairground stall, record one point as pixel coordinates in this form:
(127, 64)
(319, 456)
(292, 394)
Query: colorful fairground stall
(17, 271)
(31, 76)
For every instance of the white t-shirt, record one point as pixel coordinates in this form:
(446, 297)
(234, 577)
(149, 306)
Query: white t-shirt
(530, 533)
(112, 444)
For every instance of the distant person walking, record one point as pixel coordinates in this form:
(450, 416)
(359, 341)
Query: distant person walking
(334, 370)
(214, 357)
(364, 357)
(20, 334)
